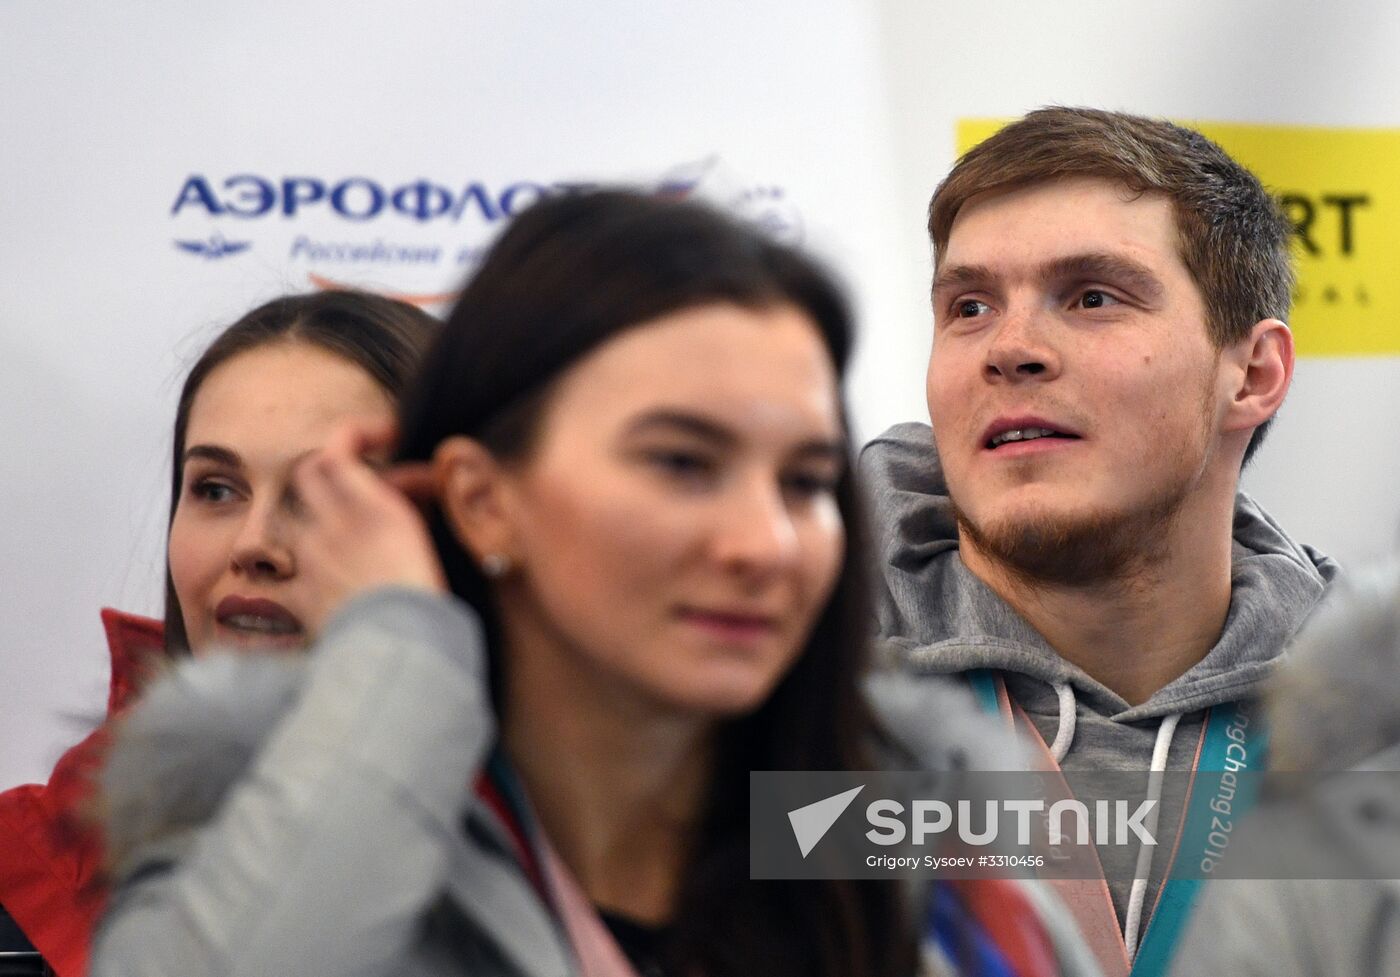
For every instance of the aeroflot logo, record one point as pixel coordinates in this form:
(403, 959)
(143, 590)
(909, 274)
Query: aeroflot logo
(358, 198)
(893, 823)
(413, 238)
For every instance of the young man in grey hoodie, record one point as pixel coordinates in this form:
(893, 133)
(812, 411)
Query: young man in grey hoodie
(1109, 347)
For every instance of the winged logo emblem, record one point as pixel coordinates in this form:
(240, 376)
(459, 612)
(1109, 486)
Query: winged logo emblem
(216, 247)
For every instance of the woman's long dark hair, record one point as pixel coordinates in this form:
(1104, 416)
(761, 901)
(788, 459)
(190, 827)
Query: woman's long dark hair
(383, 337)
(568, 275)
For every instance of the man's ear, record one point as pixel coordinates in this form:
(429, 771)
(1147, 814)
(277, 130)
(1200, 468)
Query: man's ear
(472, 494)
(1259, 374)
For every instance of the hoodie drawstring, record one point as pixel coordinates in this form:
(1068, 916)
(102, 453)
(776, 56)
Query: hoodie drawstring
(1064, 738)
(1064, 733)
(1138, 894)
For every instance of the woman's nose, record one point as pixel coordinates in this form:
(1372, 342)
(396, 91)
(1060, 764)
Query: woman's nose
(755, 533)
(261, 548)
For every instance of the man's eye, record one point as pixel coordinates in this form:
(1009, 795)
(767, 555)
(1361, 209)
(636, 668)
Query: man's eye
(1096, 299)
(969, 308)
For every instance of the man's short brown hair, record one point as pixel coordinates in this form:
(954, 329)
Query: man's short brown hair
(1235, 240)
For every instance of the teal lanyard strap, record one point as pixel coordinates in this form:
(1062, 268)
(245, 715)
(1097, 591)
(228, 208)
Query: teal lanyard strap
(984, 687)
(1235, 743)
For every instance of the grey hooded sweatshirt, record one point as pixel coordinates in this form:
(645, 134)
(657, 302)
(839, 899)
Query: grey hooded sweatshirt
(938, 618)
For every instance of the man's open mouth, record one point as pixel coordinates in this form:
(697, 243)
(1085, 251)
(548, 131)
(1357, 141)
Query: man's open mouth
(1025, 434)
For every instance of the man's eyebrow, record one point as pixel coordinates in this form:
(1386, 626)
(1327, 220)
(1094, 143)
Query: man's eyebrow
(215, 453)
(1111, 269)
(962, 276)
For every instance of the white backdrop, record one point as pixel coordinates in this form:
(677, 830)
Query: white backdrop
(833, 117)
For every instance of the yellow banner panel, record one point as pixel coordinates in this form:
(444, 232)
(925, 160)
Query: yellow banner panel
(1341, 190)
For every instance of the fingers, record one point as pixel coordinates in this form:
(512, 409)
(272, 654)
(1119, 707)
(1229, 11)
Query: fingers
(320, 484)
(360, 529)
(363, 438)
(414, 480)
(339, 475)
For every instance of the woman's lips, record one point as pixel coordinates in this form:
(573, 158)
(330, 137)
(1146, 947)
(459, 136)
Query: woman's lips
(731, 626)
(257, 621)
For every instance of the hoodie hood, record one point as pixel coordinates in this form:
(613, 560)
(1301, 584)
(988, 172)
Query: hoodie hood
(941, 618)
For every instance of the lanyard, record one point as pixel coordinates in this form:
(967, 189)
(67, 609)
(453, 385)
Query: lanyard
(498, 786)
(596, 952)
(1233, 741)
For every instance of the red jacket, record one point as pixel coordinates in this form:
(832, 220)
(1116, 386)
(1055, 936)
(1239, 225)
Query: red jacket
(51, 862)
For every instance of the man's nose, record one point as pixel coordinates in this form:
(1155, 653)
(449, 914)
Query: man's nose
(1021, 348)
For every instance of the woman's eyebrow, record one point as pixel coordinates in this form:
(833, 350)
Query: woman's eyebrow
(822, 449)
(696, 426)
(215, 453)
(684, 422)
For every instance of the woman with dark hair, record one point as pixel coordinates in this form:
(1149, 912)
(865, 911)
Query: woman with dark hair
(685, 490)
(266, 390)
(521, 744)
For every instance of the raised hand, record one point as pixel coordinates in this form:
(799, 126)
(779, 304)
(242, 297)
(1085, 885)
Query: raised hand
(361, 528)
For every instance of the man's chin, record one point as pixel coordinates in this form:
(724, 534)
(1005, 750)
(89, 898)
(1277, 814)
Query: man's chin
(1067, 549)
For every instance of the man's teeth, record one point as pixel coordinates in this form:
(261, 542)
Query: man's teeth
(265, 625)
(1022, 434)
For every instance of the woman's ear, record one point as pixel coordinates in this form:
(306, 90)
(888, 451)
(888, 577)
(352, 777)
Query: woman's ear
(472, 494)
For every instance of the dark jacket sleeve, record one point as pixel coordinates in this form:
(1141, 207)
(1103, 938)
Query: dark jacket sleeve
(296, 815)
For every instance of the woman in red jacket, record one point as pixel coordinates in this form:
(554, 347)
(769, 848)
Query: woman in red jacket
(267, 390)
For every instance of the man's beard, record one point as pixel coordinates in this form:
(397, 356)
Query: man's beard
(1078, 552)
(1100, 547)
